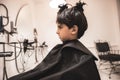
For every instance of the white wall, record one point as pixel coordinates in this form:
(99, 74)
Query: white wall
(102, 19)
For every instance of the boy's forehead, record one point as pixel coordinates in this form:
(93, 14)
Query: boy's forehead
(59, 24)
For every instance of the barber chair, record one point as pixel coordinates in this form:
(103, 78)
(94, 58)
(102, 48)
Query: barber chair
(107, 55)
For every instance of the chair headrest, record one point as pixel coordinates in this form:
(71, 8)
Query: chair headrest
(102, 46)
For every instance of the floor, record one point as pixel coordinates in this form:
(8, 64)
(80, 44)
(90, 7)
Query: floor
(105, 76)
(104, 71)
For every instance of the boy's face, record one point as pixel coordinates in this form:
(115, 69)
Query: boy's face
(64, 32)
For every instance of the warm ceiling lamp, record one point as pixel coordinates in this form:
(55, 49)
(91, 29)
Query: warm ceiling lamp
(55, 3)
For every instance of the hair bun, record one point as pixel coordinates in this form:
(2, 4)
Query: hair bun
(79, 6)
(62, 7)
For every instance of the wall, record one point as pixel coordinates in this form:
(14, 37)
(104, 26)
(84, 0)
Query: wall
(102, 19)
(104, 22)
(118, 8)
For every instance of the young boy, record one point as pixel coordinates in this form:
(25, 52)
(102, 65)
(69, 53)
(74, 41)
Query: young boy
(70, 60)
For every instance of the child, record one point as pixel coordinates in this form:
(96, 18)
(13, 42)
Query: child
(70, 60)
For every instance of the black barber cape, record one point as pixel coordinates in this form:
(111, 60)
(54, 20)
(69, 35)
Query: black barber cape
(67, 61)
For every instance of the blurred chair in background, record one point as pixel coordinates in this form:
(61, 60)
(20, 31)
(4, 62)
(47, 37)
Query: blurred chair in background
(107, 55)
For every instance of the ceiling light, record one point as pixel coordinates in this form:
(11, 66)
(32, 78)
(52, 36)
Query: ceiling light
(55, 3)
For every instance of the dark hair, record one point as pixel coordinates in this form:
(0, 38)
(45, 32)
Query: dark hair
(73, 16)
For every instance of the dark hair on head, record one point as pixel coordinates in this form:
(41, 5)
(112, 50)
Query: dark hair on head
(73, 16)
(62, 7)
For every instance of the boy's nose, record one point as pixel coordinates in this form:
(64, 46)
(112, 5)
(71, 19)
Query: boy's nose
(56, 32)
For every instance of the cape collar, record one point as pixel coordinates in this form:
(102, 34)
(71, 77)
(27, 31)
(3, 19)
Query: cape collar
(77, 45)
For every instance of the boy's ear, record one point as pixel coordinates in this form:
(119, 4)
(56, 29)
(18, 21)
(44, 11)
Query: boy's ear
(74, 29)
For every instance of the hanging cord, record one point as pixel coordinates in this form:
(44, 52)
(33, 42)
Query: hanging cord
(18, 13)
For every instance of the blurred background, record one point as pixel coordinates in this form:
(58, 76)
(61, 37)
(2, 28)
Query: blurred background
(28, 31)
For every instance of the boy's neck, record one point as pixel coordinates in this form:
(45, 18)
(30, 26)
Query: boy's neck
(67, 41)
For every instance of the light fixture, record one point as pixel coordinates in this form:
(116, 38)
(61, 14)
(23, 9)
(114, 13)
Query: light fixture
(2, 18)
(55, 3)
